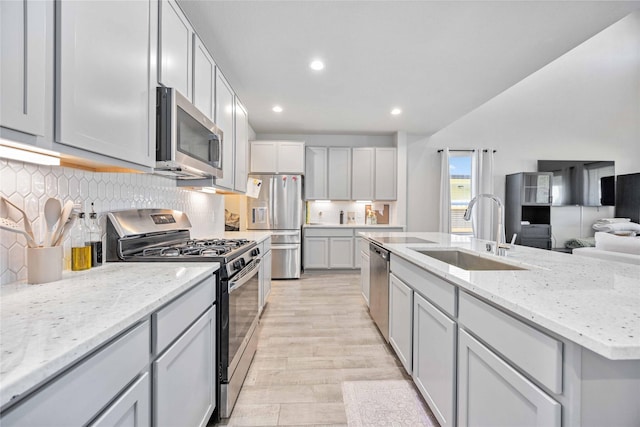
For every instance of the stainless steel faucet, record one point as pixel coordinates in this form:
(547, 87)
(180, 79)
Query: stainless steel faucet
(500, 233)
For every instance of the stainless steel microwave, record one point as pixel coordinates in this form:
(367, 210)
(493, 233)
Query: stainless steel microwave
(188, 144)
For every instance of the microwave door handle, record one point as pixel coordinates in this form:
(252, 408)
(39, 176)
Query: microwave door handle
(213, 149)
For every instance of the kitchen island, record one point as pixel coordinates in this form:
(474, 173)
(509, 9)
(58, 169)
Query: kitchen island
(555, 341)
(49, 331)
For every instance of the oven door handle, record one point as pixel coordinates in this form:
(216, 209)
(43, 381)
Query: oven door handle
(246, 274)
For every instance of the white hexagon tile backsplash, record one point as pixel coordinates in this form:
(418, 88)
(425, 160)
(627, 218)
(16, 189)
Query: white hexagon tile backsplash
(29, 186)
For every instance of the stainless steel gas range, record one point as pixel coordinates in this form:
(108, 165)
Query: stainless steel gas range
(162, 235)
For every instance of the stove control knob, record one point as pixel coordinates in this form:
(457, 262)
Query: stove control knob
(243, 262)
(255, 252)
(236, 265)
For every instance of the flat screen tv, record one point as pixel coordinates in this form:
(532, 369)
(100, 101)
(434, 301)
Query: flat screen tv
(581, 182)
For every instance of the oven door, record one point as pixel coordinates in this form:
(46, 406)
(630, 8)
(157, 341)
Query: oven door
(243, 312)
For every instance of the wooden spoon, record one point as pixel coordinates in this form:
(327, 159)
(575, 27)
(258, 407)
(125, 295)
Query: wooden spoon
(52, 214)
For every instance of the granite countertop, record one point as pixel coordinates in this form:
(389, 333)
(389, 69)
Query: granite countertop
(46, 328)
(593, 303)
(258, 236)
(317, 225)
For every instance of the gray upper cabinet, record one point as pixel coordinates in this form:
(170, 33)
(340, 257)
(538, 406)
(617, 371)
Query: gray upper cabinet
(204, 79)
(241, 147)
(175, 49)
(363, 164)
(346, 173)
(374, 173)
(225, 103)
(105, 79)
(315, 185)
(386, 173)
(23, 28)
(277, 157)
(339, 178)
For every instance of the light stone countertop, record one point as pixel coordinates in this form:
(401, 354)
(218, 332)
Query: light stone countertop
(46, 328)
(593, 303)
(258, 236)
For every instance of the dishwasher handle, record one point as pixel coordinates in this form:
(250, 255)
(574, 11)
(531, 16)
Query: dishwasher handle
(382, 253)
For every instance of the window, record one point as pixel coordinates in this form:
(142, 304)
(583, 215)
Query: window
(460, 187)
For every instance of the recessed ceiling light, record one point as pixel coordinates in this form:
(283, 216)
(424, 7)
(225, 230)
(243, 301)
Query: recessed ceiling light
(316, 65)
(277, 109)
(396, 111)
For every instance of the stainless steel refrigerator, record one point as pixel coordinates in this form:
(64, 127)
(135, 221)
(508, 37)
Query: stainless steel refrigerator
(278, 208)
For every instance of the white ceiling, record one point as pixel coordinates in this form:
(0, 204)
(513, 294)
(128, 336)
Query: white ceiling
(436, 60)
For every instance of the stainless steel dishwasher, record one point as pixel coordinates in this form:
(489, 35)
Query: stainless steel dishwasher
(379, 288)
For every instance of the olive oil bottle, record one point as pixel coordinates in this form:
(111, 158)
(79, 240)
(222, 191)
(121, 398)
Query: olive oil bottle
(80, 250)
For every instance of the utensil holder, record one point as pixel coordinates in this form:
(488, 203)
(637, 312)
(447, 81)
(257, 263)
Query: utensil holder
(44, 264)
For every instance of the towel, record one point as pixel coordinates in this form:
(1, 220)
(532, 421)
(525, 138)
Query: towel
(617, 226)
(585, 242)
(612, 220)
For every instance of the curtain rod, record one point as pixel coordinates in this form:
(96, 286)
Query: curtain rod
(484, 151)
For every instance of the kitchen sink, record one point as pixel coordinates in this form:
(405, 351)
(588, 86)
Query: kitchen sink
(467, 261)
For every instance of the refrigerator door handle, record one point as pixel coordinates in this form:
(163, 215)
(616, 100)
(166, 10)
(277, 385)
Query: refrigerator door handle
(284, 247)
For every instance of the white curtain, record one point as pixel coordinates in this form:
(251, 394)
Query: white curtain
(445, 192)
(484, 220)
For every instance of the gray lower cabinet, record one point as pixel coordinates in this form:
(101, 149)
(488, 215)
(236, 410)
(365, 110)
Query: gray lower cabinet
(113, 386)
(492, 393)
(400, 321)
(184, 391)
(434, 359)
(265, 277)
(364, 275)
(316, 252)
(78, 395)
(341, 252)
(132, 409)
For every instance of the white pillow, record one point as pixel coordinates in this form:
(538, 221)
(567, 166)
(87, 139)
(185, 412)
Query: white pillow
(613, 243)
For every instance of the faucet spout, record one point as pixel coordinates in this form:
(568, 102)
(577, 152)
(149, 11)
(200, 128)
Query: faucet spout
(500, 233)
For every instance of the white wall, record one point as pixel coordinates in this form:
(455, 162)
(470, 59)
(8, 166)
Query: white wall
(584, 106)
(322, 140)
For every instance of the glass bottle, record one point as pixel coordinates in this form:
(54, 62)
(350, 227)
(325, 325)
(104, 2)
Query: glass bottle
(95, 238)
(80, 251)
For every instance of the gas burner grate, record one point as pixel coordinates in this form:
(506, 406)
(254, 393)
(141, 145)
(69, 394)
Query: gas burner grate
(165, 251)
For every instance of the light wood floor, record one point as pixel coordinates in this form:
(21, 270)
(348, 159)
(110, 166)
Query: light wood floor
(314, 334)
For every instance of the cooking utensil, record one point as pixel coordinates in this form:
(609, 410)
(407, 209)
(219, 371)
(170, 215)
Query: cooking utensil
(25, 220)
(9, 225)
(52, 214)
(65, 230)
(64, 218)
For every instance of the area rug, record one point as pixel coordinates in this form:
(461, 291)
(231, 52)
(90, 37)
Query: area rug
(384, 403)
